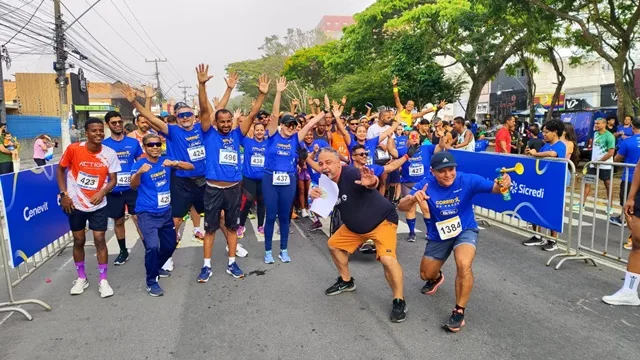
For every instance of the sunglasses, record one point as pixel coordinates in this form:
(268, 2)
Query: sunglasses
(366, 153)
(291, 125)
(116, 122)
(153, 144)
(184, 115)
(354, 124)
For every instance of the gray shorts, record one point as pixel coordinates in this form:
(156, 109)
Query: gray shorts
(440, 250)
(405, 188)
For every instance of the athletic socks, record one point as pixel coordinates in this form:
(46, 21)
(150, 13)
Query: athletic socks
(631, 281)
(102, 269)
(207, 263)
(80, 270)
(458, 307)
(426, 223)
(232, 259)
(412, 226)
(196, 230)
(122, 244)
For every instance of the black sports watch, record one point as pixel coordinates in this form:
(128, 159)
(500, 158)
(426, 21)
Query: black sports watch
(62, 194)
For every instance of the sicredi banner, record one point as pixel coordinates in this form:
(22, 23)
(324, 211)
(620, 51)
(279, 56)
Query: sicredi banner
(537, 195)
(33, 214)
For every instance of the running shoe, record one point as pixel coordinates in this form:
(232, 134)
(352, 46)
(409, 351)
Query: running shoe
(456, 321)
(198, 236)
(78, 286)
(234, 270)
(178, 239)
(205, 274)
(164, 273)
(629, 244)
(284, 256)
(304, 213)
(609, 211)
(261, 230)
(251, 216)
(616, 220)
(341, 286)
(268, 257)
(240, 231)
(534, 241)
(431, 286)
(294, 215)
(411, 238)
(240, 251)
(155, 290)
(122, 258)
(104, 289)
(577, 207)
(399, 311)
(367, 248)
(168, 266)
(551, 245)
(315, 226)
(622, 298)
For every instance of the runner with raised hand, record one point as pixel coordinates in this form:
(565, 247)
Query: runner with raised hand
(252, 172)
(151, 178)
(86, 174)
(280, 173)
(448, 195)
(223, 171)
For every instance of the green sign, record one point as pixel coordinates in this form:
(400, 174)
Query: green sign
(95, 108)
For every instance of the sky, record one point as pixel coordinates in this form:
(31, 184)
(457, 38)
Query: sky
(186, 32)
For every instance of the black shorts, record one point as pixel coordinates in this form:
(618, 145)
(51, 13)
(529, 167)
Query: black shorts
(636, 207)
(218, 199)
(185, 193)
(252, 188)
(605, 174)
(116, 202)
(623, 194)
(97, 220)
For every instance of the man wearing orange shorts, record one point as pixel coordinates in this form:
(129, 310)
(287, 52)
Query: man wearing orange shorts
(357, 191)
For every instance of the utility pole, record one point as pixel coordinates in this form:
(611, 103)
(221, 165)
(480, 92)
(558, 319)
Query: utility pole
(184, 92)
(159, 89)
(3, 110)
(60, 66)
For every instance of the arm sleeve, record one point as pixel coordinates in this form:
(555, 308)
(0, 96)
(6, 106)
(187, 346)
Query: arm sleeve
(622, 149)
(478, 184)
(612, 142)
(561, 150)
(136, 166)
(377, 169)
(418, 186)
(138, 151)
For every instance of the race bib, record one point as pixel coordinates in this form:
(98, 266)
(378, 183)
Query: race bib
(281, 178)
(416, 170)
(164, 199)
(382, 155)
(449, 228)
(196, 153)
(87, 181)
(369, 161)
(257, 160)
(228, 157)
(124, 179)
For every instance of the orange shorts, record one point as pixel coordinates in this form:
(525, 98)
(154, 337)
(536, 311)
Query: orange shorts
(384, 236)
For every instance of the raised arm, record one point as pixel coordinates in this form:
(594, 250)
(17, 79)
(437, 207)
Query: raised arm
(385, 134)
(312, 163)
(310, 124)
(263, 88)
(149, 93)
(396, 164)
(206, 111)
(231, 81)
(155, 123)
(424, 112)
(396, 95)
(337, 112)
(391, 147)
(281, 85)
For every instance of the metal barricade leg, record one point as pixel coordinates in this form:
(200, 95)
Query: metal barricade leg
(17, 309)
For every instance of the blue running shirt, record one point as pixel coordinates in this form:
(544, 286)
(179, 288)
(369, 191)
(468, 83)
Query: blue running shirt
(128, 150)
(188, 146)
(153, 193)
(282, 153)
(223, 155)
(253, 164)
(417, 167)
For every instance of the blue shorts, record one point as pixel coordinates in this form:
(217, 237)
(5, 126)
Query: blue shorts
(394, 177)
(440, 250)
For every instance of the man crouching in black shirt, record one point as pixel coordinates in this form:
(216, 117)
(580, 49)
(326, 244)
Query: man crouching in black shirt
(365, 215)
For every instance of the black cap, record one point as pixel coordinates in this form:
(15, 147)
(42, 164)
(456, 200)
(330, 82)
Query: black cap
(262, 113)
(180, 105)
(443, 160)
(424, 121)
(287, 119)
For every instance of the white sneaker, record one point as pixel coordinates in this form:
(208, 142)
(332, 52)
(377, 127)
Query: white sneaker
(240, 251)
(622, 298)
(304, 213)
(104, 289)
(168, 265)
(79, 286)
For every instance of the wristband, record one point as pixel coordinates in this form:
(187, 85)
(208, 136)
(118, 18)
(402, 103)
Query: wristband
(395, 89)
(406, 156)
(435, 108)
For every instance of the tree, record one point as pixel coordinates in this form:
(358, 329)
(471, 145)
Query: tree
(309, 66)
(607, 27)
(478, 34)
(529, 66)
(250, 70)
(295, 40)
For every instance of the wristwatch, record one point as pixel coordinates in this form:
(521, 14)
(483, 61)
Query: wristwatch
(62, 194)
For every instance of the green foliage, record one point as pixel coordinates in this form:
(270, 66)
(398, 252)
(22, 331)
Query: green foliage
(250, 70)
(309, 65)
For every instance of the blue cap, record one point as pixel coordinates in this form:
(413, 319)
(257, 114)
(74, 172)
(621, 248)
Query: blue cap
(443, 160)
(164, 113)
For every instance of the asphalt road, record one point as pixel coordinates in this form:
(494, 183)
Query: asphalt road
(519, 309)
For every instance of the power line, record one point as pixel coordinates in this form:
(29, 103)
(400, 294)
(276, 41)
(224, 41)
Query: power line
(25, 25)
(16, 9)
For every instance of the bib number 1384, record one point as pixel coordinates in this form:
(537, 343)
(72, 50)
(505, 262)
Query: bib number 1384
(449, 228)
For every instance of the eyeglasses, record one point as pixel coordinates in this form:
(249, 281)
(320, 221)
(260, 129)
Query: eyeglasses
(153, 144)
(184, 115)
(366, 153)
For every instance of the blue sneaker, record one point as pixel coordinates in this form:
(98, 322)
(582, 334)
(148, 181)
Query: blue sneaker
(617, 220)
(234, 270)
(155, 290)
(163, 273)
(268, 257)
(284, 256)
(205, 274)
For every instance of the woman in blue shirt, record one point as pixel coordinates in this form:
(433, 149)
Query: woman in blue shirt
(280, 173)
(152, 179)
(252, 172)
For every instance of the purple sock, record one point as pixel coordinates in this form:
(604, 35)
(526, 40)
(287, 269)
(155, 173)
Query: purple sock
(102, 269)
(80, 270)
